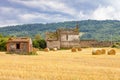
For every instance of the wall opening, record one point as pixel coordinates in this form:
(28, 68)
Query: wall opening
(67, 37)
(18, 46)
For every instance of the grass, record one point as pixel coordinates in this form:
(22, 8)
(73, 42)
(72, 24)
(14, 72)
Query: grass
(60, 65)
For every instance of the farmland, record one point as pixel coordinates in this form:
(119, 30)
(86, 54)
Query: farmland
(60, 65)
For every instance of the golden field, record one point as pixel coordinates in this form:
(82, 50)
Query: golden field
(60, 65)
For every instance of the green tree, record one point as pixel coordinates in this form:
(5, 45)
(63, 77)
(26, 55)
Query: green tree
(42, 43)
(1, 36)
(3, 44)
(37, 37)
(38, 42)
(35, 44)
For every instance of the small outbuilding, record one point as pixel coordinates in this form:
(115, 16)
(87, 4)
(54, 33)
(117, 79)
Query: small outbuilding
(19, 45)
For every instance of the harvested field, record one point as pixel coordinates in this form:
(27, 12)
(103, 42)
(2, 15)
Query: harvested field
(60, 65)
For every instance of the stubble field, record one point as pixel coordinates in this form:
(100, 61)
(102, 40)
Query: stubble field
(60, 65)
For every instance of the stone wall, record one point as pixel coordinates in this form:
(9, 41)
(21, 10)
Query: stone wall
(103, 44)
(64, 37)
(87, 43)
(23, 47)
(69, 40)
(53, 44)
(73, 38)
(69, 44)
(94, 43)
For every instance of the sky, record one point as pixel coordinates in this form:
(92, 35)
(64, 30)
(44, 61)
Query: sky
(14, 12)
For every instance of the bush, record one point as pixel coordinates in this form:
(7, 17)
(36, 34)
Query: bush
(116, 45)
(3, 44)
(41, 44)
(33, 53)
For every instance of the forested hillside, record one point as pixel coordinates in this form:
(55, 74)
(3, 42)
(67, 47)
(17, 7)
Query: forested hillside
(91, 29)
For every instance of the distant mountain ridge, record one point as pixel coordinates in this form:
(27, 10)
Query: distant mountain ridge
(92, 29)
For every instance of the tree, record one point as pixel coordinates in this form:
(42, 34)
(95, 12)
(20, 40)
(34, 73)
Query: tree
(37, 37)
(38, 42)
(3, 44)
(1, 36)
(42, 43)
(35, 44)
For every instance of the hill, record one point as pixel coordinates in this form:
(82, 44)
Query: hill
(91, 29)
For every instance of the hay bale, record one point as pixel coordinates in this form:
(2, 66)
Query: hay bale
(111, 52)
(73, 50)
(46, 49)
(103, 51)
(79, 49)
(96, 52)
(35, 49)
(54, 49)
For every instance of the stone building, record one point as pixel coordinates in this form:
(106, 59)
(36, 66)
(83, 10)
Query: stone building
(63, 38)
(19, 45)
(67, 38)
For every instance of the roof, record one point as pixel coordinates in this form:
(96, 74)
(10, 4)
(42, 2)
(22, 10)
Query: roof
(51, 36)
(19, 39)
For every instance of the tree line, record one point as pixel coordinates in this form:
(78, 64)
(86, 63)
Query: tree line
(90, 29)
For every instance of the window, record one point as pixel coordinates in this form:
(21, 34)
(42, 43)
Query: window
(18, 46)
(66, 37)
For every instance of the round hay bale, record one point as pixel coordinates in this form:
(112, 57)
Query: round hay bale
(96, 52)
(35, 49)
(103, 51)
(54, 49)
(111, 52)
(46, 49)
(73, 50)
(79, 49)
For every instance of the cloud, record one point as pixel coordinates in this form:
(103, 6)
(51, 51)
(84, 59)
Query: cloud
(48, 5)
(8, 23)
(13, 16)
(39, 17)
(18, 15)
(46, 11)
(8, 16)
(103, 13)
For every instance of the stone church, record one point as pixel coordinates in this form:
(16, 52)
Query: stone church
(63, 38)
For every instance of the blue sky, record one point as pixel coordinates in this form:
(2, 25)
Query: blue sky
(13, 12)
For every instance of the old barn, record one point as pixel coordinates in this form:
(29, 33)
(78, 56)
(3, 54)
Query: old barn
(19, 45)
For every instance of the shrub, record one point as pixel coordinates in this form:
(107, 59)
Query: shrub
(41, 44)
(116, 45)
(3, 44)
(32, 53)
